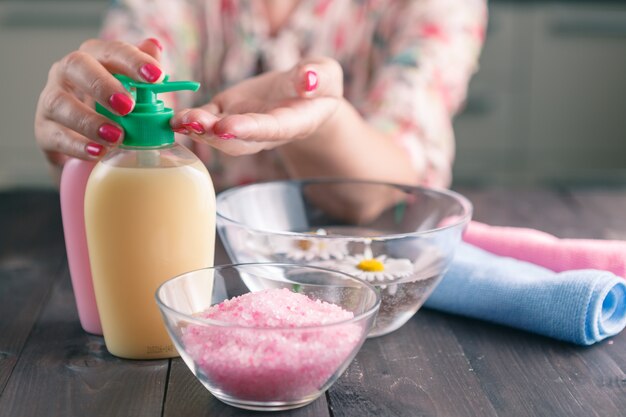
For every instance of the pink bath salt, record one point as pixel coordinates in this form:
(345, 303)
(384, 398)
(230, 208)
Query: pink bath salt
(278, 360)
(276, 308)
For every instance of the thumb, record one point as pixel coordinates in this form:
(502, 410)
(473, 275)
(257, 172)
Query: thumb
(316, 77)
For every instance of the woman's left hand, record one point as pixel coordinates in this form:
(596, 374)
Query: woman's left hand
(268, 110)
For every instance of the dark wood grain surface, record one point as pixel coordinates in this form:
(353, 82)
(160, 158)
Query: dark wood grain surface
(436, 365)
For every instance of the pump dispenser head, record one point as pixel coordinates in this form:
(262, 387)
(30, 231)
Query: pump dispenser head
(148, 124)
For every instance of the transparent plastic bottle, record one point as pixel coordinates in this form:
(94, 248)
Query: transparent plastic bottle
(149, 216)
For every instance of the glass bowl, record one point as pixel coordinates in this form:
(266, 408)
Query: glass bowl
(267, 367)
(399, 238)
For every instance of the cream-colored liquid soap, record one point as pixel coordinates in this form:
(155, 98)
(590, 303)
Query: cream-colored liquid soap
(149, 216)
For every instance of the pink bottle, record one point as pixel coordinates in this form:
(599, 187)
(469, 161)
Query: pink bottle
(73, 183)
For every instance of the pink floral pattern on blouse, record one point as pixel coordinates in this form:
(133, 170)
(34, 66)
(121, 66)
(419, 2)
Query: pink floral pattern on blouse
(407, 64)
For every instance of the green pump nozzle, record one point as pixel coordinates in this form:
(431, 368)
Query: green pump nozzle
(148, 124)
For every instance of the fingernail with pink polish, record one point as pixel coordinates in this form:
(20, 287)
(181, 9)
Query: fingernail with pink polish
(156, 42)
(94, 149)
(181, 130)
(226, 136)
(150, 72)
(196, 127)
(121, 103)
(109, 132)
(311, 81)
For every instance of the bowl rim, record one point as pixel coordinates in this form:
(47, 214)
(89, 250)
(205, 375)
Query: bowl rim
(204, 321)
(465, 203)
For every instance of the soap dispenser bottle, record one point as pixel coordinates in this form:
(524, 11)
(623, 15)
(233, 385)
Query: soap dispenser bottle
(149, 216)
(72, 191)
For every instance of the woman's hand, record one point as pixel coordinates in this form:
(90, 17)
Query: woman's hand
(268, 110)
(66, 123)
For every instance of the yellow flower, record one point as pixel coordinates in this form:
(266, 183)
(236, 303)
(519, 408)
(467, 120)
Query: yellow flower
(376, 269)
(371, 265)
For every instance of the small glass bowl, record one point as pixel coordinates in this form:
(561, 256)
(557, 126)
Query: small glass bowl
(266, 368)
(399, 238)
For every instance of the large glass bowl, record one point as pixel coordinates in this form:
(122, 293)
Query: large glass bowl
(399, 238)
(266, 368)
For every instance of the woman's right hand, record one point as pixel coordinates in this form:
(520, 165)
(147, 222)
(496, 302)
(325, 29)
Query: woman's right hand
(66, 123)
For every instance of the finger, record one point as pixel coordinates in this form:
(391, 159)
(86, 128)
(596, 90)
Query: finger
(250, 126)
(77, 116)
(271, 85)
(61, 140)
(298, 120)
(198, 124)
(123, 58)
(83, 72)
(247, 105)
(194, 122)
(151, 46)
(236, 147)
(317, 77)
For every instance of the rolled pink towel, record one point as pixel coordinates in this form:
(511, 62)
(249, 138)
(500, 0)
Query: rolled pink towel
(543, 249)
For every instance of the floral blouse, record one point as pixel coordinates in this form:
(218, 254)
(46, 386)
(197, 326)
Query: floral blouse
(406, 63)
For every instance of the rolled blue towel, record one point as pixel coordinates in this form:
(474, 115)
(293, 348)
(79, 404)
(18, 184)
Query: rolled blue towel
(582, 306)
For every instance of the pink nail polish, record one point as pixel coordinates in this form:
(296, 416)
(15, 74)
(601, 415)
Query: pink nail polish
(109, 132)
(196, 127)
(121, 103)
(311, 81)
(181, 130)
(94, 149)
(156, 42)
(226, 136)
(150, 72)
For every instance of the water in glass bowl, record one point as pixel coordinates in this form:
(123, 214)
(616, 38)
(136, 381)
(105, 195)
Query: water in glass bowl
(405, 270)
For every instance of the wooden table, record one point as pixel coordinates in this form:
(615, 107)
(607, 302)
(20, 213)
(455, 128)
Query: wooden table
(436, 365)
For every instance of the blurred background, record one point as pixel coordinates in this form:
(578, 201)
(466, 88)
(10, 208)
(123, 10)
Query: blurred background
(548, 105)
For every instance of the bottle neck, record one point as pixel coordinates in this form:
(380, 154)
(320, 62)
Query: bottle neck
(164, 156)
(147, 148)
